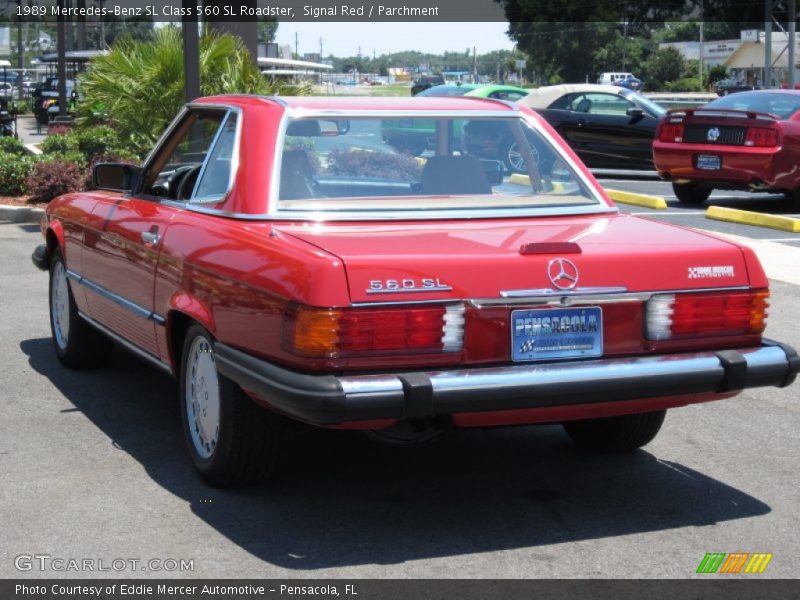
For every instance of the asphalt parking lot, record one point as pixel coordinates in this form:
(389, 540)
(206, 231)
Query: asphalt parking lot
(694, 216)
(93, 466)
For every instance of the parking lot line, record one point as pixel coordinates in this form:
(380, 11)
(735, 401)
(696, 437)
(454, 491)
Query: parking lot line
(646, 200)
(733, 215)
(669, 214)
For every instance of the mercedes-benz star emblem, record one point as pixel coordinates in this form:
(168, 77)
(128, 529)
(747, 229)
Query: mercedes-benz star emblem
(713, 134)
(563, 273)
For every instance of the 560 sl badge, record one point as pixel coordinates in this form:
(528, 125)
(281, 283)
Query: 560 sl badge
(399, 286)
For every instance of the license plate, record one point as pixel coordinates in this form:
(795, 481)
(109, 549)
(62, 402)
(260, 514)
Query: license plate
(709, 162)
(556, 333)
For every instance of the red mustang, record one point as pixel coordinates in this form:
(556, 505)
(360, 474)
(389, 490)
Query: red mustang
(284, 261)
(744, 141)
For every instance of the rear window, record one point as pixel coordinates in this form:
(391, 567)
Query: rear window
(427, 164)
(781, 105)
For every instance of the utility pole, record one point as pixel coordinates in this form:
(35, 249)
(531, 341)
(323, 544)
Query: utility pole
(61, 44)
(191, 52)
(792, 42)
(701, 43)
(296, 46)
(20, 50)
(767, 82)
(81, 4)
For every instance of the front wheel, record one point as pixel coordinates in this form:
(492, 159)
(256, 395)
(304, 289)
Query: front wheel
(690, 193)
(616, 434)
(77, 344)
(512, 158)
(232, 441)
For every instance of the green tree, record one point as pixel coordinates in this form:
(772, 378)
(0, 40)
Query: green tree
(663, 66)
(139, 84)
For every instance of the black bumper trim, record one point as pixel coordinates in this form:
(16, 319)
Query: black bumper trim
(336, 399)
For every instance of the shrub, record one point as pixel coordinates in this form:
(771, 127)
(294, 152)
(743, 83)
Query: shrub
(53, 178)
(102, 141)
(59, 144)
(11, 145)
(366, 163)
(687, 84)
(14, 171)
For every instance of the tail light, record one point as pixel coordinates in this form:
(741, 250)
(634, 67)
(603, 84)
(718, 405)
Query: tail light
(761, 137)
(670, 132)
(684, 316)
(342, 332)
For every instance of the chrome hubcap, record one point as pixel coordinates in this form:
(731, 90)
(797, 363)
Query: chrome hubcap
(59, 305)
(202, 397)
(515, 157)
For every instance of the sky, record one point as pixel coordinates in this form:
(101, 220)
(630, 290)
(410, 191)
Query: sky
(343, 39)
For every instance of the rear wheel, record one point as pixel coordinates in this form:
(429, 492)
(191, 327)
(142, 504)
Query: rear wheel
(232, 441)
(616, 434)
(690, 193)
(77, 344)
(794, 197)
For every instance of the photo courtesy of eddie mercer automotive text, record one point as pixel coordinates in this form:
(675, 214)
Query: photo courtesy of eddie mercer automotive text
(374, 264)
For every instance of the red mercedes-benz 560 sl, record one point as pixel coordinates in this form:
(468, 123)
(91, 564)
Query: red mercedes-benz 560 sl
(284, 261)
(744, 141)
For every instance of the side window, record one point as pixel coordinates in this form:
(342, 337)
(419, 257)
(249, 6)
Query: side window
(176, 167)
(215, 177)
(606, 104)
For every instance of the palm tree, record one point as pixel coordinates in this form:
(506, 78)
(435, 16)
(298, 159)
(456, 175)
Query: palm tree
(138, 85)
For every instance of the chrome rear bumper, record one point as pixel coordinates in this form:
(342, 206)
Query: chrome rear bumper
(332, 399)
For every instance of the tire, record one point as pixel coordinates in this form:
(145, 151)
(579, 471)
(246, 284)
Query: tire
(794, 198)
(690, 193)
(616, 434)
(231, 440)
(77, 344)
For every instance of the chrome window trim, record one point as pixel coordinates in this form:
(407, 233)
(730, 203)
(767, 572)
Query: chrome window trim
(228, 108)
(139, 311)
(130, 346)
(274, 213)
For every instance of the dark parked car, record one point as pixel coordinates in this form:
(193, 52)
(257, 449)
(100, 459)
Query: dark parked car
(425, 82)
(730, 86)
(609, 127)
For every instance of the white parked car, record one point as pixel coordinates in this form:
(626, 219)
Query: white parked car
(612, 78)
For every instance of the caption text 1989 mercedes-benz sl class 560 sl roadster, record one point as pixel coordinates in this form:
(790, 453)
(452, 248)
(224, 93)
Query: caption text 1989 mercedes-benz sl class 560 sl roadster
(285, 261)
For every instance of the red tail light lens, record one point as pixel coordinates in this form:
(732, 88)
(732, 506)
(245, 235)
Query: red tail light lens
(683, 316)
(761, 137)
(329, 333)
(671, 132)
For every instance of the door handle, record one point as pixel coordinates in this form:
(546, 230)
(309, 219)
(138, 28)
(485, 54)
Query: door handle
(581, 122)
(150, 238)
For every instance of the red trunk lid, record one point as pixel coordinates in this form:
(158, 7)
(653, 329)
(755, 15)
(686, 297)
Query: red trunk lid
(481, 259)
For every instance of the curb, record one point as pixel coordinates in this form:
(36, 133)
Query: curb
(520, 179)
(656, 202)
(20, 214)
(734, 215)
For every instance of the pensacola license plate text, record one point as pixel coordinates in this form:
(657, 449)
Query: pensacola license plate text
(709, 162)
(547, 334)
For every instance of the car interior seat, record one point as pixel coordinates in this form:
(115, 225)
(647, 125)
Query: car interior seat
(450, 175)
(584, 105)
(297, 176)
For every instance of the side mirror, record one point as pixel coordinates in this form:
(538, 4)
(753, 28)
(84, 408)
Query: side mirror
(115, 177)
(635, 112)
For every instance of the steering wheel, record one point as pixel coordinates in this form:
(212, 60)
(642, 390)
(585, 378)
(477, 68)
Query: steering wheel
(185, 185)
